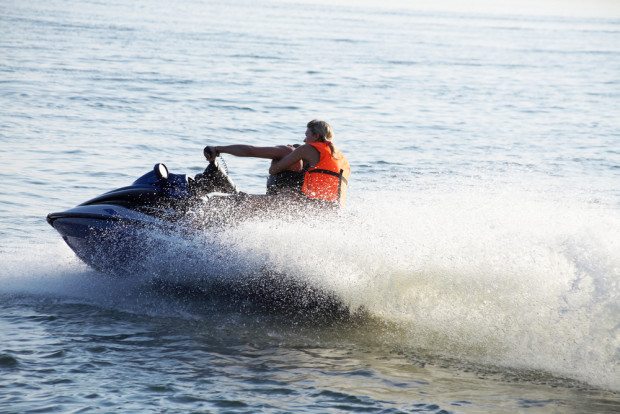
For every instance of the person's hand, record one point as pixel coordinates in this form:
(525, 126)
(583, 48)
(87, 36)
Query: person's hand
(210, 153)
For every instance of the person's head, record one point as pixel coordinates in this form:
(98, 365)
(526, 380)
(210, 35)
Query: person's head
(319, 131)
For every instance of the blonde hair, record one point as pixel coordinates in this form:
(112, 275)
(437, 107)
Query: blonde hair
(322, 129)
(325, 133)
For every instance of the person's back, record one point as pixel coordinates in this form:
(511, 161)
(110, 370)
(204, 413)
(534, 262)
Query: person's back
(317, 168)
(329, 178)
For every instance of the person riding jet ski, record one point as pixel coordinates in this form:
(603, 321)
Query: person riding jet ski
(315, 173)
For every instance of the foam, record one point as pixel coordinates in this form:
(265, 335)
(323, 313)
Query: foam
(504, 277)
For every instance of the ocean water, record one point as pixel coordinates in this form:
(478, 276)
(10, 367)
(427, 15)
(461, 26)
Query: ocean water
(478, 256)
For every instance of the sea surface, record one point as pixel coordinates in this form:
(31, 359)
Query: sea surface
(478, 256)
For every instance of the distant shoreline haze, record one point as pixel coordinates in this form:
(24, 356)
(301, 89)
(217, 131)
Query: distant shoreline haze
(563, 8)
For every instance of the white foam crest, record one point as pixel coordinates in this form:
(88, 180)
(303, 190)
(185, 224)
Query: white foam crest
(511, 278)
(50, 270)
(37, 268)
(506, 278)
(501, 278)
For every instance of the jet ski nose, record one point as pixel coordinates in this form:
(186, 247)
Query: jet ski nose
(50, 218)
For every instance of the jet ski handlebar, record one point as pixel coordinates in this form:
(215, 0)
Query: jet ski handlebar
(214, 179)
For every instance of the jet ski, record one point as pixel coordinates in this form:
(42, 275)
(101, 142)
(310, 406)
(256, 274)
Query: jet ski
(112, 233)
(107, 231)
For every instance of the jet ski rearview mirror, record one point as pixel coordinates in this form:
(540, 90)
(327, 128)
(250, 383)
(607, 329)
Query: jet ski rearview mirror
(161, 171)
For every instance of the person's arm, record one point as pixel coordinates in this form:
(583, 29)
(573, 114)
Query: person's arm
(304, 153)
(247, 151)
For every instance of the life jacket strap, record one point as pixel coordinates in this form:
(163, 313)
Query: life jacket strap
(335, 174)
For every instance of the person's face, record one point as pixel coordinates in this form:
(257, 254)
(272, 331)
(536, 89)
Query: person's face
(310, 137)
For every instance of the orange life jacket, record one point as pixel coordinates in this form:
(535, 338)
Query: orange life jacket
(328, 179)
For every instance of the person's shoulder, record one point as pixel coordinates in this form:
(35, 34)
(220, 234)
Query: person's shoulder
(307, 147)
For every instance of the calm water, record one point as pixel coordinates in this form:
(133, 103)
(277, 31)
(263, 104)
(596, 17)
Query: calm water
(479, 252)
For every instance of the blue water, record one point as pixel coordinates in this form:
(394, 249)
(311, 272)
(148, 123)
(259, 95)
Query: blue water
(478, 253)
